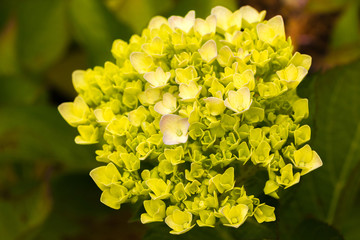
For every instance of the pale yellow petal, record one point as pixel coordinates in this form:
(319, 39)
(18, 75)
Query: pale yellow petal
(208, 51)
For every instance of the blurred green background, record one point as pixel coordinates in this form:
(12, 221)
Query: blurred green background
(45, 190)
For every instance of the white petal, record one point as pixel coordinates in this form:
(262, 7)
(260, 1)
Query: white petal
(183, 23)
(174, 129)
(222, 16)
(156, 22)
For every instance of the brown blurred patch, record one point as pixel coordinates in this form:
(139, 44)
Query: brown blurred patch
(309, 31)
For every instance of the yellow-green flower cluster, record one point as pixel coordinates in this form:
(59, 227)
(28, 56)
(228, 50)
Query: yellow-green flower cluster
(188, 114)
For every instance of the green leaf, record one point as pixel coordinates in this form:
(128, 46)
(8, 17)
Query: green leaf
(95, 28)
(329, 193)
(160, 231)
(343, 55)
(8, 53)
(77, 209)
(250, 230)
(43, 35)
(202, 7)
(311, 229)
(346, 29)
(59, 76)
(6, 8)
(21, 217)
(17, 90)
(70, 207)
(326, 6)
(39, 134)
(137, 13)
(337, 134)
(351, 223)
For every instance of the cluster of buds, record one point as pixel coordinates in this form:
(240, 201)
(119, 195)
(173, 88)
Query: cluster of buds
(188, 114)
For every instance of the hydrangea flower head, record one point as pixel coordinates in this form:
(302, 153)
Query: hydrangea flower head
(190, 111)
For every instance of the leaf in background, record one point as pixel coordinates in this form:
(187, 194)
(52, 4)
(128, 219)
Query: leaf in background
(60, 75)
(42, 33)
(78, 213)
(311, 229)
(250, 230)
(342, 55)
(351, 223)
(21, 217)
(95, 28)
(137, 13)
(6, 8)
(329, 193)
(337, 134)
(202, 7)
(160, 231)
(39, 134)
(19, 90)
(346, 29)
(8, 54)
(325, 6)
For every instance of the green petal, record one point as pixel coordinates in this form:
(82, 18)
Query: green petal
(159, 188)
(104, 176)
(88, 134)
(115, 196)
(302, 134)
(141, 62)
(264, 213)
(75, 113)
